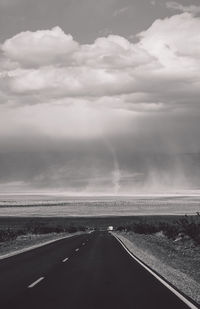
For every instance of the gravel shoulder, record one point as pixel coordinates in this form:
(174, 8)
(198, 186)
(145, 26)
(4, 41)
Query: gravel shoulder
(27, 242)
(177, 261)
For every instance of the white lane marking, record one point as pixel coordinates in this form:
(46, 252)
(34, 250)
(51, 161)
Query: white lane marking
(179, 295)
(77, 249)
(35, 282)
(83, 244)
(65, 260)
(7, 255)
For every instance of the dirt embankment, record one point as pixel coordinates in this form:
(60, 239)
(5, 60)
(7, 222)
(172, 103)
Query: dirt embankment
(178, 261)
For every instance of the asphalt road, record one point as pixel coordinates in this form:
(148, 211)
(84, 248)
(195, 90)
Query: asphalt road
(90, 271)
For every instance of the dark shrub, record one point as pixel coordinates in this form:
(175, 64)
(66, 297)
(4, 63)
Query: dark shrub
(71, 229)
(170, 230)
(145, 228)
(120, 228)
(6, 235)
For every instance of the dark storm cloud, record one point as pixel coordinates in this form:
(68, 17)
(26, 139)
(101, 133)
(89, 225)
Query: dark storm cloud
(87, 171)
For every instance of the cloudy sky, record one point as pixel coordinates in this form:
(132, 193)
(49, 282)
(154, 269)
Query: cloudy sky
(99, 96)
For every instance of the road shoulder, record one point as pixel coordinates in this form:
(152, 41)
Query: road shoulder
(180, 280)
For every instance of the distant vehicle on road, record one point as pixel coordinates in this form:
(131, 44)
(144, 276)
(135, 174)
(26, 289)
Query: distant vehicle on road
(110, 228)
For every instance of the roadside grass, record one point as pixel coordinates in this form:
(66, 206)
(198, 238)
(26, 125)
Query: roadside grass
(8, 234)
(185, 227)
(172, 226)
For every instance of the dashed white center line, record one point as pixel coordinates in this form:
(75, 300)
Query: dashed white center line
(35, 282)
(77, 249)
(65, 260)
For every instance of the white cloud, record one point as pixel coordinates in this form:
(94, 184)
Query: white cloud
(113, 52)
(40, 48)
(174, 41)
(158, 74)
(193, 9)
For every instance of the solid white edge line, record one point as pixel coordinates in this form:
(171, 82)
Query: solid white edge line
(35, 282)
(179, 295)
(7, 255)
(65, 260)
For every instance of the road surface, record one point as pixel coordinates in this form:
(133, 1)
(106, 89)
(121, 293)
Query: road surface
(90, 271)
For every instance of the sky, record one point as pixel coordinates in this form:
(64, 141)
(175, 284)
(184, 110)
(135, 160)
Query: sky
(99, 97)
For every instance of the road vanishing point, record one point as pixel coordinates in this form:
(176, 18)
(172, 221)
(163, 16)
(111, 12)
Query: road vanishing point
(88, 271)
